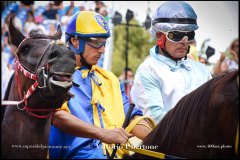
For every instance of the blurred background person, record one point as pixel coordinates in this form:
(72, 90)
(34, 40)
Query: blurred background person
(193, 53)
(127, 82)
(6, 75)
(30, 23)
(51, 12)
(228, 59)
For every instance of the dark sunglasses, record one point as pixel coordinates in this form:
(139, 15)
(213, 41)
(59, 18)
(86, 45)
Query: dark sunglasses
(177, 36)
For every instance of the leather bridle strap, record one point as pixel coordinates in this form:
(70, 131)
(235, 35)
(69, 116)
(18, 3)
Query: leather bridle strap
(30, 91)
(33, 87)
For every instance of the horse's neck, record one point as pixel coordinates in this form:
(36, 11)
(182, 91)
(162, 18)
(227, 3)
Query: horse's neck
(19, 129)
(22, 85)
(13, 94)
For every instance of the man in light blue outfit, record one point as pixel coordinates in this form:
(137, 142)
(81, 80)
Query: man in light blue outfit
(167, 75)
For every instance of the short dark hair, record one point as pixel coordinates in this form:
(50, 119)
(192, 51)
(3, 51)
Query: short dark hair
(27, 3)
(57, 3)
(126, 69)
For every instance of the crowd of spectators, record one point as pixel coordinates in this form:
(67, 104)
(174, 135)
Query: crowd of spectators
(43, 19)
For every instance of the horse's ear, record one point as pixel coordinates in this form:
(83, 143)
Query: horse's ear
(58, 34)
(16, 37)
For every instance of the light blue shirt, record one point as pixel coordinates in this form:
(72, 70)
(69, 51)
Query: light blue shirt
(160, 83)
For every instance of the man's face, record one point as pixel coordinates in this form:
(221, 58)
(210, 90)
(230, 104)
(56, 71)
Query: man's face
(236, 47)
(177, 50)
(93, 50)
(129, 75)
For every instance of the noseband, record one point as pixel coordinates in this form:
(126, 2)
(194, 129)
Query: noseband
(38, 76)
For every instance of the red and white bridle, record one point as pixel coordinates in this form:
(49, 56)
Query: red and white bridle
(30, 91)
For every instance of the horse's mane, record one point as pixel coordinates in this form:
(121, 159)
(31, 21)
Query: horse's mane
(186, 113)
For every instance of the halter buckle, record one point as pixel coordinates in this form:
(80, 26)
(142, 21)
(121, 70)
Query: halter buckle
(42, 78)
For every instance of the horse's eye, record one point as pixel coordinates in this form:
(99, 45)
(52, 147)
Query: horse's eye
(53, 55)
(24, 50)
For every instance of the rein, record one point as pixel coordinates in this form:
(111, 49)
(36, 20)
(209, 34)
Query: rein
(130, 147)
(32, 88)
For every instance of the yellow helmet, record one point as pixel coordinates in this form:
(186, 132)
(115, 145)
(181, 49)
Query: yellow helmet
(86, 24)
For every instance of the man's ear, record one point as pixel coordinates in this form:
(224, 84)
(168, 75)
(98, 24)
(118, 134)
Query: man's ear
(74, 41)
(71, 40)
(159, 35)
(160, 40)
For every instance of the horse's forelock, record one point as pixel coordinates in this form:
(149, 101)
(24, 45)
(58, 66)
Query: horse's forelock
(39, 36)
(56, 36)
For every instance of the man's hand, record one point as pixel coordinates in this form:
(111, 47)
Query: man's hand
(70, 124)
(222, 57)
(116, 135)
(235, 55)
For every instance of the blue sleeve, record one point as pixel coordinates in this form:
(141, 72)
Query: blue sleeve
(136, 111)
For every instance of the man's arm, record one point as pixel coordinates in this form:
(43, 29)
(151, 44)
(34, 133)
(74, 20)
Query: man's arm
(70, 124)
(217, 68)
(235, 55)
(146, 95)
(140, 131)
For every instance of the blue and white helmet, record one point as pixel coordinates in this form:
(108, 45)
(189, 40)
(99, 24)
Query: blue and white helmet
(172, 16)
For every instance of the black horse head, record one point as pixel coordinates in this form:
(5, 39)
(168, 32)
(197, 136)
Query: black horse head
(52, 63)
(42, 79)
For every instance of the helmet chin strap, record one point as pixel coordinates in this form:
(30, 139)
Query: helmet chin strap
(84, 62)
(80, 52)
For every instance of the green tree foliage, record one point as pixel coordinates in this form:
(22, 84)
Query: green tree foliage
(140, 42)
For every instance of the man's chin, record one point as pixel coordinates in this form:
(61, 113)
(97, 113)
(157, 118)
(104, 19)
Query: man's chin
(180, 55)
(94, 62)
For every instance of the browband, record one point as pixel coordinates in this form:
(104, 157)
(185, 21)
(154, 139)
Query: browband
(175, 20)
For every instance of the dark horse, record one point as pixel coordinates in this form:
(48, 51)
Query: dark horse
(42, 78)
(203, 124)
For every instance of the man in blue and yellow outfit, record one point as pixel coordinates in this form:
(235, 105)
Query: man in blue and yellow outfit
(85, 124)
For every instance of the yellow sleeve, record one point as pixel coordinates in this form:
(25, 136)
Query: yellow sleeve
(65, 107)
